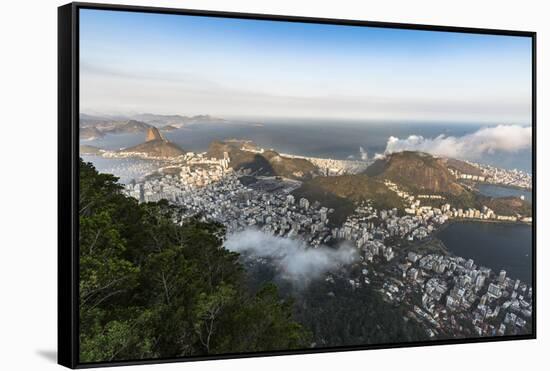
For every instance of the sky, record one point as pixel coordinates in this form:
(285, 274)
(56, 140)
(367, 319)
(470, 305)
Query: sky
(173, 64)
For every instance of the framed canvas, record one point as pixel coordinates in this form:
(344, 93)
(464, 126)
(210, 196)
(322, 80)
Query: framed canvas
(237, 185)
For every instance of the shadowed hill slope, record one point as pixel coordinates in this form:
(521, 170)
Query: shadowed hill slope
(342, 193)
(268, 163)
(416, 172)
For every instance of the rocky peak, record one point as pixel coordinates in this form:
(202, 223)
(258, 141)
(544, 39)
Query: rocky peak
(153, 134)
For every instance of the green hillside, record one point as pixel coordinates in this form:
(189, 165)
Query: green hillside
(343, 192)
(269, 163)
(416, 172)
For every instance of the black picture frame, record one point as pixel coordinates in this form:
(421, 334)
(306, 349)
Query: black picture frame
(68, 187)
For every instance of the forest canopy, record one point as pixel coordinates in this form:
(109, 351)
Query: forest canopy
(154, 285)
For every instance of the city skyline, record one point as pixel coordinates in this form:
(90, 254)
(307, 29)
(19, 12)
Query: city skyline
(173, 64)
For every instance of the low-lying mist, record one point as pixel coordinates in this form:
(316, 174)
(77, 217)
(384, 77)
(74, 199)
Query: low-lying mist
(292, 258)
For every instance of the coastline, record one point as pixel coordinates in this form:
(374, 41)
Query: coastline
(473, 220)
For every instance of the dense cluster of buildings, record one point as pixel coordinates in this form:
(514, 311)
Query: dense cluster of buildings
(446, 211)
(332, 167)
(368, 224)
(464, 176)
(449, 295)
(266, 204)
(494, 175)
(199, 171)
(194, 171)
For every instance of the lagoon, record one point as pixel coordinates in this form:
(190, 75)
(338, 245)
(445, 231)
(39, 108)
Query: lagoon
(507, 246)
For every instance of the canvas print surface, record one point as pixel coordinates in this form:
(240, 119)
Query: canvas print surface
(250, 186)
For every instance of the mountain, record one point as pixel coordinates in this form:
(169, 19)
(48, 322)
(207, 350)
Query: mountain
(416, 172)
(290, 167)
(462, 167)
(245, 155)
(422, 173)
(342, 193)
(155, 146)
(168, 128)
(358, 187)
(137, 123)
(96, 127)
(130, 126)
(90, 133)
(153, 134)
(91, 120)
(204, 118)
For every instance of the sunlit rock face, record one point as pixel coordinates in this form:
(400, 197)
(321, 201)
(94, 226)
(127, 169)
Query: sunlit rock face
(153, 134)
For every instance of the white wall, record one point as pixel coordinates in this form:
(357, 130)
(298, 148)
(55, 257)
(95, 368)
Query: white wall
(28, 58)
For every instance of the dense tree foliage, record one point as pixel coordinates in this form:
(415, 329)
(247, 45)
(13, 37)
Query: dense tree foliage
(154, 285)
(336, 314)
(347, 317)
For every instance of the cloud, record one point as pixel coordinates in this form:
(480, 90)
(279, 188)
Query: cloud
(501, 138)
(293, 258)
(364, 154)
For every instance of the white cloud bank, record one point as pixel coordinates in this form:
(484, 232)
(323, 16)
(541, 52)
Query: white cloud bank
(292, 258)
(505, 138)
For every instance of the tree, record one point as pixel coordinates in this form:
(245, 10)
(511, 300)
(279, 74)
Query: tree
(153, 285)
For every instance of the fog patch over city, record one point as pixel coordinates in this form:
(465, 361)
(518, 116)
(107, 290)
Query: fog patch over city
(501, 138)
(291, 257)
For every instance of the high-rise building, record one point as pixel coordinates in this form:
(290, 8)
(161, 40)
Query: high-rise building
(480, 280)
(290, 200)
(494, 290)
(483, 300)
(412, 273)
(502, 276)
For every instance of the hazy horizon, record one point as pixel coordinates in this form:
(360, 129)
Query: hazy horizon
(303, 120)
(190, 65)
